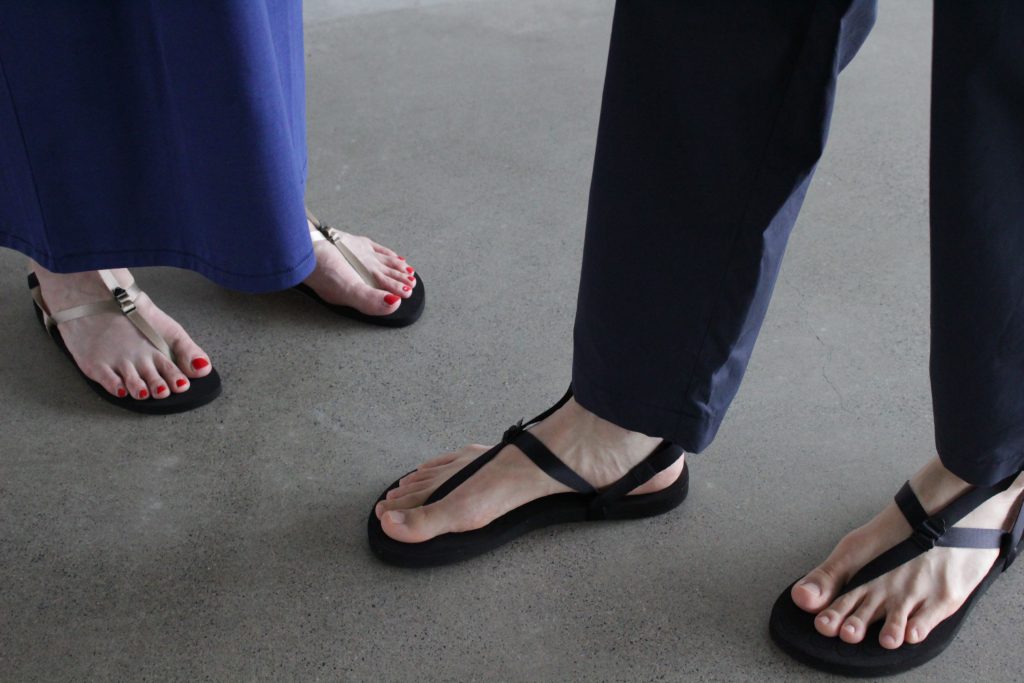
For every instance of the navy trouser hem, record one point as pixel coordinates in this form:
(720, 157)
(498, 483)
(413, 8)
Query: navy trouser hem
(691, 432)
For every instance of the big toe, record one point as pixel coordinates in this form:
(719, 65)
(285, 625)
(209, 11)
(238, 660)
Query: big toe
(372, 301)
(816, 590)
(191, 359)
(414, 525)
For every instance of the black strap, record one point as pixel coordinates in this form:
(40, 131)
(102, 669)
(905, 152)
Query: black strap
(510, 435)
(550, 463)
(1013, 539)
(910, 506)
(462, 475)
(660, 458)
(936, 530)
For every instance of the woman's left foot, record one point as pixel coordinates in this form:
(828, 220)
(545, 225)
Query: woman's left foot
(918, 595)
(335, 281)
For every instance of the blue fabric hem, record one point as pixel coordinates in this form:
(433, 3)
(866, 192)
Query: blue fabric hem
(253, 283)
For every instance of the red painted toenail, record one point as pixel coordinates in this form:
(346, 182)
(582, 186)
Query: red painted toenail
(143, 394)
(411, 279)
(410, 270)
(181, 382)
(200, 363)
(401, 258)
(390, 299)
(121, 393)
(161, 389)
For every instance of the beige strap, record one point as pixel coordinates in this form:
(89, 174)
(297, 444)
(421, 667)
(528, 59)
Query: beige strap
(123, 302)
(325, 232)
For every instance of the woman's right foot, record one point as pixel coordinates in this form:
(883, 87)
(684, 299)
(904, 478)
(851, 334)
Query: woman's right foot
(599, 451)
(110, 350)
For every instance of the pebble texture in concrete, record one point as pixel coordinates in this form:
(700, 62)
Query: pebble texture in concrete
(229, 544)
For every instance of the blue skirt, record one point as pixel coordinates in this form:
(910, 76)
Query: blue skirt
(156, 133)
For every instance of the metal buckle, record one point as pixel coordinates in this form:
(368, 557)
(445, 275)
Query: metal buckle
(124, 300)
(512, 432)
(928, 533)
(332, 235)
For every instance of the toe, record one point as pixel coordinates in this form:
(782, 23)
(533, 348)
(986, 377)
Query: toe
(133, 382)
(817, 589)
(407, 501)
(191, 360)
(107, 378)
(856, 625)
(415, 525)
(176, 380)
(372, 301)
(894, 630)
(831, 619)
(395, 282)
(381, 250)
(156, 384)
(931, 614)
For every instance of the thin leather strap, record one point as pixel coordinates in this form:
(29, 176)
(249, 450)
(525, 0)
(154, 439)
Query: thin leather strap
(123, 302)
(550, 463)
(326, 232)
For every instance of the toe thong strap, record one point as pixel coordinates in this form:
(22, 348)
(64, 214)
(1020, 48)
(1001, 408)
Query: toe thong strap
(326, 232)
(123, 301)
(936, 530)
(540, 454)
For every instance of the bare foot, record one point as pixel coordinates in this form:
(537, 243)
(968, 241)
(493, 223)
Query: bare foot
(917, 596)
(596, 449)
(110, 350)
(335, 281)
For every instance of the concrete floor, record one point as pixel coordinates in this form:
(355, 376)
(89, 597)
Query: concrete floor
(229, 544)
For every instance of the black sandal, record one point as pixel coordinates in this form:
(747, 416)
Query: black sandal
(201, 390)
(408, 312)
(587, 504)
(793, 630)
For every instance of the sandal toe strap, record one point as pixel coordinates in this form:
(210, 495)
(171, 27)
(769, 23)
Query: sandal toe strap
(329, 234)
(123, 302)
(938, 531)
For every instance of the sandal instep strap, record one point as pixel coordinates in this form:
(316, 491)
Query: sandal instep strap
(508, 437)
(123, 302)
(938, 530)
(327, 233)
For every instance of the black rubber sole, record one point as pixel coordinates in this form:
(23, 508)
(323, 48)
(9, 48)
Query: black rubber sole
(560, 508)
(409, 311)
(792, 629)
(201, 391)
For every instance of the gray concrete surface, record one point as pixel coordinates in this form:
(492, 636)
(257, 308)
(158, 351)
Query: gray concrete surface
(229, 544)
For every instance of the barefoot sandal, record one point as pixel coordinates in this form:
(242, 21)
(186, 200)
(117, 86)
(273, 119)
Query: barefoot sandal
(407, 313)
(793, 629)
(202, 390)
(583, 503)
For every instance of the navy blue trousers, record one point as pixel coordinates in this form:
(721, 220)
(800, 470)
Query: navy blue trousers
(713, 119)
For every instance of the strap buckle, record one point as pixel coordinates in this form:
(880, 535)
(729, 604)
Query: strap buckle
(512, 432)
(124, 300)
(332, 235)
(928, 533)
